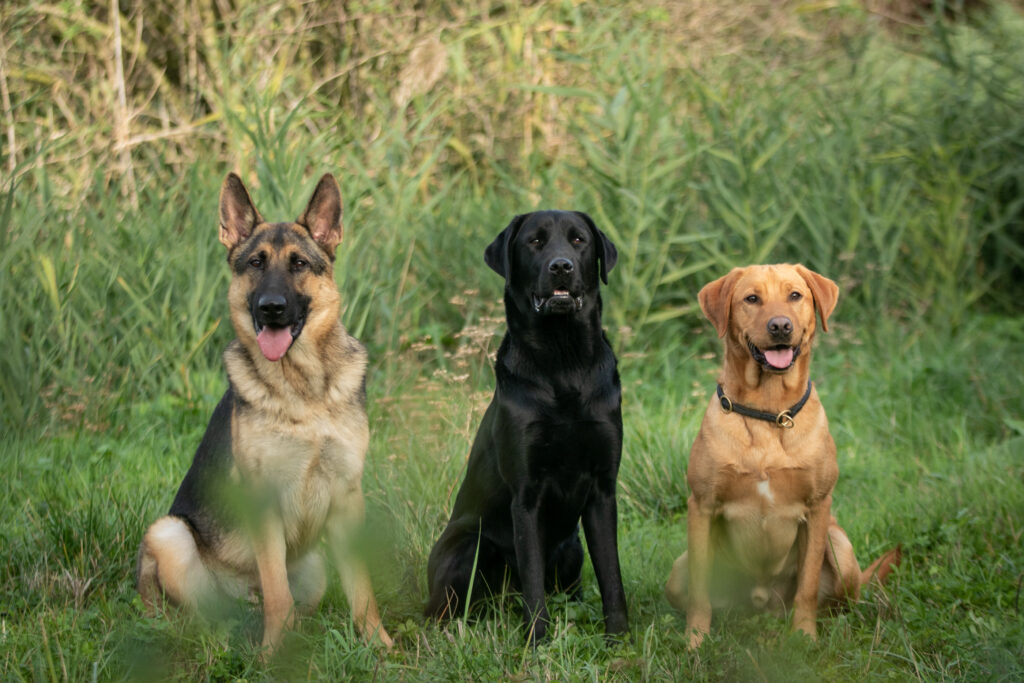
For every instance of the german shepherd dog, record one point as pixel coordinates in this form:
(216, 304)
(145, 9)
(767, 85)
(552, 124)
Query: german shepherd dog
(281, 463)
(548, 448)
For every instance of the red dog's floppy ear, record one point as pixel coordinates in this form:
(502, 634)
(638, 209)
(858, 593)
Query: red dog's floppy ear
(824, 291)
(322, 216)
(497, 253)
(238, 215)
(716, 300)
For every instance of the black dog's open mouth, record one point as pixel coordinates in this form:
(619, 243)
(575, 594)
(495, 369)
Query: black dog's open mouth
(559, 301)
(274, 342)
(775, 359)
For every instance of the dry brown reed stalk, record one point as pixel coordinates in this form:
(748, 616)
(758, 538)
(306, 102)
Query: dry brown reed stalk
(5, 101)
(506, 83)
(121, 115)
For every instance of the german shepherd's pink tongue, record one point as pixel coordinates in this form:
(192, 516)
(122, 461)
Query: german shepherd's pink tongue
(274, 342)
(777, 358)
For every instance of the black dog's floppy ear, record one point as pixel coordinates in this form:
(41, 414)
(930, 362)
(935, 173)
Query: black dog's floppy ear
(497, 253)
(606, 252)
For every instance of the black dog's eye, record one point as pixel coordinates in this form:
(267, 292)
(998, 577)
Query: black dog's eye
(534, 241)
(752, 299)
(577, 239)
(796, 296)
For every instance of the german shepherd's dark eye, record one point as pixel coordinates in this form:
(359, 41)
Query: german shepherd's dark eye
(299, 263)
(256, 262)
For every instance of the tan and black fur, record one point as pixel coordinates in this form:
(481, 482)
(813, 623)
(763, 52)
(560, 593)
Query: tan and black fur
(760, 527)
(281, 462)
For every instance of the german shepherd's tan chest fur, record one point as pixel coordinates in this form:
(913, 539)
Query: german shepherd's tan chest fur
(302, 449)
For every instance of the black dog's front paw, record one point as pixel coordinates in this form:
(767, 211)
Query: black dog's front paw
(537, 634)
(616, 626)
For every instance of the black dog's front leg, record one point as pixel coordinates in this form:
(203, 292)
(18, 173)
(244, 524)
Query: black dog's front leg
(530, 560)
(599, 524)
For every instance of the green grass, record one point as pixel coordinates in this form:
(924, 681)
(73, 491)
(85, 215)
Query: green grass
(891, 162)
(935, 474)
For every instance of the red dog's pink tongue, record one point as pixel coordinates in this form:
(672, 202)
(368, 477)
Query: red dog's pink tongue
(779, 358)
(274, 342)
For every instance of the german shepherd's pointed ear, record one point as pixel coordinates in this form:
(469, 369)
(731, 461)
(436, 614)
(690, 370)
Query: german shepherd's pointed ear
(716, 300)
(238, 215)
(322, 216)
(607, 254)
(824, 291)
(497, 253)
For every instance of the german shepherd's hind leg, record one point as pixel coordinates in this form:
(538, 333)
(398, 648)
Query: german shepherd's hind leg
(170, 567)
(307, 579)
(343, 525)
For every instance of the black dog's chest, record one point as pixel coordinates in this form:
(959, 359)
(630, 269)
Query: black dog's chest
(567, 449)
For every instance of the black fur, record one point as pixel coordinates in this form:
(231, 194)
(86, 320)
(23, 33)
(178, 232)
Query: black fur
(200, 500)
(547, 452)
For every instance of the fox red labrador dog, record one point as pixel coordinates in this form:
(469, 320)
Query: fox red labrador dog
(763, 466)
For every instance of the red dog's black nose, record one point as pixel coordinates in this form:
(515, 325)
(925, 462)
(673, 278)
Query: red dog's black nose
(780, 327)
(560, 265)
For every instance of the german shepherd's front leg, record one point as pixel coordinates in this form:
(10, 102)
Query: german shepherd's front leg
(343, 524)
(805, 602)
(271, 561)
(530, 561)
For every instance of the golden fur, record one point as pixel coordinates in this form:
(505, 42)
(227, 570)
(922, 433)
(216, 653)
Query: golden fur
(760, 528)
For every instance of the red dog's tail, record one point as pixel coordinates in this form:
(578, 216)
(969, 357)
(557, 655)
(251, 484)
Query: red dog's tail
(880, 569)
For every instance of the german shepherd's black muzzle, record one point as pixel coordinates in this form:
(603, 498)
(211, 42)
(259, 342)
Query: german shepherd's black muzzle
(278, 313)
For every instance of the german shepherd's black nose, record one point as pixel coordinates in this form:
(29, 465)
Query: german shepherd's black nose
(272, 307)
(560, 265)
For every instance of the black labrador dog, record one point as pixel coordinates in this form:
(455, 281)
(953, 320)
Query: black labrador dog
(547, 451)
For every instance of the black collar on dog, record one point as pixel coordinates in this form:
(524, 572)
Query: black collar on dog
(783, 419)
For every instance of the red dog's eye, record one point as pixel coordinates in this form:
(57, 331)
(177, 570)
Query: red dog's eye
(752, 299)
(796, 296)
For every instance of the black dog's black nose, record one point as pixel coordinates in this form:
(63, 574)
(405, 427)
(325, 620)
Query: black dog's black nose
(560, 265)
(780, 327)
(272, 305)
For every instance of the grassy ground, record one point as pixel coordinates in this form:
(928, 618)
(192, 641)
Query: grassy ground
(701, 137)
(923, 462)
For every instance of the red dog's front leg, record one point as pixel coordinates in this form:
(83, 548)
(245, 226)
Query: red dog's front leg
(699, 558)
(805, 602)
